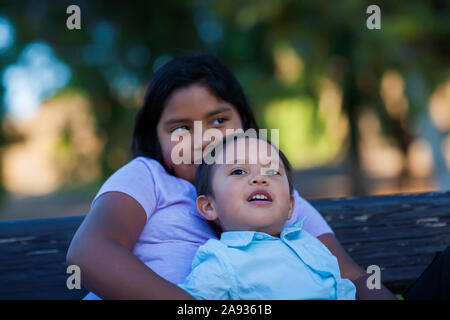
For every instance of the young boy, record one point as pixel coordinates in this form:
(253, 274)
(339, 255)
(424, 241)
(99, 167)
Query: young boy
(256, 256)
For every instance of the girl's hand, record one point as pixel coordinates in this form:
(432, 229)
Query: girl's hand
(352, 271)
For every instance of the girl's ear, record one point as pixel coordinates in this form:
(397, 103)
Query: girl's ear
(205, 206)
(291, 206)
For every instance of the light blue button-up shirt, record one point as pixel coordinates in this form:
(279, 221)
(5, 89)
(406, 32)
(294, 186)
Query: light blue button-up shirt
(250, 265)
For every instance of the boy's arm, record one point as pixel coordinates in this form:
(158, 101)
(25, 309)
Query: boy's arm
(209, 278)
(352, 271)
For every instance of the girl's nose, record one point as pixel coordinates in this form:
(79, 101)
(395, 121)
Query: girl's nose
(203, 138)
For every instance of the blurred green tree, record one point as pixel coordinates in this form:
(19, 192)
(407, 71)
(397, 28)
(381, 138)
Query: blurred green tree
(119, 46)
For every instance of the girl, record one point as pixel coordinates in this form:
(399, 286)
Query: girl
(143, 229)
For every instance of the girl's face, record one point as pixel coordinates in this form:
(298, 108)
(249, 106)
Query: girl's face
(184, 106)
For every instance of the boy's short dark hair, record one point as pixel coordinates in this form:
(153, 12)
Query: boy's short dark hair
(203, 176)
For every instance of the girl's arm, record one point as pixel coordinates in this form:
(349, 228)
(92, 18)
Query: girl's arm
(316, 225)
(102, 248)
(352, 271)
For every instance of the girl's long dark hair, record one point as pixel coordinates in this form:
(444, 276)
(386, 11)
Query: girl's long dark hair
(179, 73)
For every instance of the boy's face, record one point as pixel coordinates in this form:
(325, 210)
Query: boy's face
(250, 196)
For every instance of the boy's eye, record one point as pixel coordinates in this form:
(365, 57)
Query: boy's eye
(180, 129)
(219, 121)
(238, 172)
(272, 172)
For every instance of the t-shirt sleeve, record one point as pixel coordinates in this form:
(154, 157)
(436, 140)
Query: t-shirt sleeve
(314, 223)
(136, 180)
(209, 279)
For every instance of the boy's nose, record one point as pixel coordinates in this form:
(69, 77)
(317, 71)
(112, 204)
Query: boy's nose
(259, 179)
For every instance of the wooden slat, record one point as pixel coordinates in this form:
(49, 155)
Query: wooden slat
(33, 258)
(399, 233)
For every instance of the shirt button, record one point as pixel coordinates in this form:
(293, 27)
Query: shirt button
(259, 237)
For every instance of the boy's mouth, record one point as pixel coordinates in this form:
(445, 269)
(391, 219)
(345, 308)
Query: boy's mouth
(260, 197)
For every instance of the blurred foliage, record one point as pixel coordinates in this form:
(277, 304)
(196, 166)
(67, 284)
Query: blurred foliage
(280, 51)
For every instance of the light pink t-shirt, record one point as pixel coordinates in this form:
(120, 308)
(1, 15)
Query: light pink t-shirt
(174, 229)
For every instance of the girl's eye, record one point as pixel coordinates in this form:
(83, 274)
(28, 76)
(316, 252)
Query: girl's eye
(180, 129)
(272, 172)
(238, 172)
(219, 121)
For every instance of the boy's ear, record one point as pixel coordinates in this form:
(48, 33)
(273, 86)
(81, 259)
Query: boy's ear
(291, 206)
(206, 208)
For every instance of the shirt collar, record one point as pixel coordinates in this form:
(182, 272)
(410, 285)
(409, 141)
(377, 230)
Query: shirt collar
(243, 238)
(294, 229)
(237, 238)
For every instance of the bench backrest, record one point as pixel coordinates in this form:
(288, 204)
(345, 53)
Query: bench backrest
(398, 233)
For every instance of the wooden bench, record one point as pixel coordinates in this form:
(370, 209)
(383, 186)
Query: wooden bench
(399, 233)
